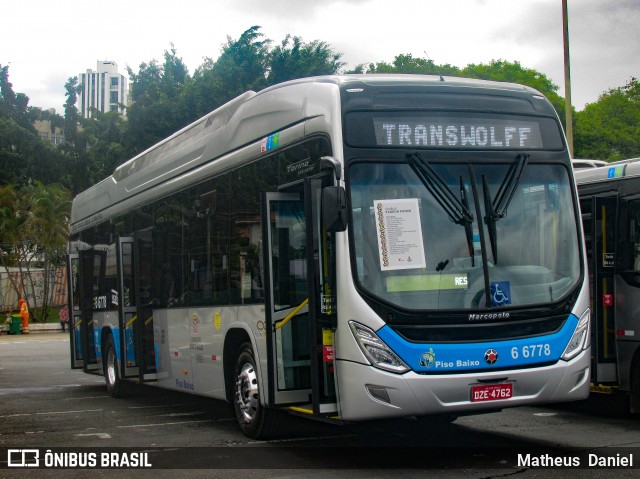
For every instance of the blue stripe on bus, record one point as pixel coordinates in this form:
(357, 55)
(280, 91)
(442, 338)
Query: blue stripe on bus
(443, 357)
(97, 340)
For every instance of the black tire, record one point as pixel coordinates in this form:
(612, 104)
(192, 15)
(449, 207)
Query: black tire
(255, 421)
(115, 385)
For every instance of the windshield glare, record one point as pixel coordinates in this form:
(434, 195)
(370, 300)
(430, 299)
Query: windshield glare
(412, 252)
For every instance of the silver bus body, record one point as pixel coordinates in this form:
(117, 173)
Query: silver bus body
(189, 347)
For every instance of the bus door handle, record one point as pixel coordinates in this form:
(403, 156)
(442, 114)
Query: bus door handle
(289, 316)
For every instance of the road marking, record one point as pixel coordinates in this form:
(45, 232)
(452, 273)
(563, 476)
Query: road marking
(161, 405)
(165, 424)
(178, 414)
(101, 435)
(5, 391)
(545, 414)
(68, 412)
(51, 412)
(86, 397)
(310, 438)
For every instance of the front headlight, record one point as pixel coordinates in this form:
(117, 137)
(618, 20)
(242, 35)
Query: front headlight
(580, 338)
(376, 351)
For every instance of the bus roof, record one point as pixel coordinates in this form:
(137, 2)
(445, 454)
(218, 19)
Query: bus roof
(610, 172)
(250, 117)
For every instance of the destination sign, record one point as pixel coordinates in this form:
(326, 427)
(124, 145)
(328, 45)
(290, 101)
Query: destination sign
(458, 133)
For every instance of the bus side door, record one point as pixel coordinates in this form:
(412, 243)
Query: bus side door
(91, 268)
(599, 218)
(127, 308)
(75, 317)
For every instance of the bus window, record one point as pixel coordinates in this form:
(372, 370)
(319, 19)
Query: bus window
(169, 252)
(208, 272)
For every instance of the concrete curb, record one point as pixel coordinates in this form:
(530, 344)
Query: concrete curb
(36, 328)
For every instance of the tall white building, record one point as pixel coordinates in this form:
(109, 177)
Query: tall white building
(105, 89)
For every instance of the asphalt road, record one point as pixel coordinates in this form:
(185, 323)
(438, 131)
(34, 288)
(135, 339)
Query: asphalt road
(44, 404)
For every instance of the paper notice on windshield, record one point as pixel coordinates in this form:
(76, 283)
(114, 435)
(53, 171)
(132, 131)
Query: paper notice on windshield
(399, 231)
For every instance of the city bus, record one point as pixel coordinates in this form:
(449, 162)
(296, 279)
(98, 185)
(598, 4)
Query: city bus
(610, 204)
(343, 248)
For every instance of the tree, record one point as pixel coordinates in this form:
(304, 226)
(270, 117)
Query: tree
(13, 106)
(76, 173)
(104, 138)
(609, 129)
(500, 70)
(34, 222)
(243, 63)
(47, 225)
(295, 59)
(497, 70)
(159, 103)
(23, 154)
(406, 63)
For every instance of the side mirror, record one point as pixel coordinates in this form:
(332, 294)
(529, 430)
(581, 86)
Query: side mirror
(334, 209)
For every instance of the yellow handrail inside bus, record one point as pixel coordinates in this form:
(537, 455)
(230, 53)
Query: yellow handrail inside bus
(291, 314)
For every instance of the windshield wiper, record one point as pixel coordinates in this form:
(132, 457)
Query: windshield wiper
(497, 208)
(457, 209)
(468, 231)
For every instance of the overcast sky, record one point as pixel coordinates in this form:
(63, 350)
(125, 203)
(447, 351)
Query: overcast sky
(44, 42)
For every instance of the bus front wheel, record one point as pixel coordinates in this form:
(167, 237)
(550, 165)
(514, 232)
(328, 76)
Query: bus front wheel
(256, 421)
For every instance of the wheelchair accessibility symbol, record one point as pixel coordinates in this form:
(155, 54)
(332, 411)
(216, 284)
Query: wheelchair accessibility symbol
(500, 293)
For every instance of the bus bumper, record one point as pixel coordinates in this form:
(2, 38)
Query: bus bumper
(369, 393)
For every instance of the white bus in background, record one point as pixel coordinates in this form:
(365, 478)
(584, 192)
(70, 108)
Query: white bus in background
(610, 204)
(579, 164)
(345, 248)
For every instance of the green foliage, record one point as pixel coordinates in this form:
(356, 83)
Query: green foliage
(23, 156)
(406, 63)
(295, 59)
(34, 223)
(513, 72)
(166, 98)
(159, 108)
(609, 129)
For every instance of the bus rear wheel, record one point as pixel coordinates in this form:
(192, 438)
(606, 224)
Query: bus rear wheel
(256, 421)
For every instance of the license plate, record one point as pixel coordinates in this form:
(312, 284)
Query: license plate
(491, 392)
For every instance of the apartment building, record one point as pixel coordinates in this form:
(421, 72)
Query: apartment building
(104, 89)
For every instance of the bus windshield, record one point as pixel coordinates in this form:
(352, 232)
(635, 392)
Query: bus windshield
(462, 236)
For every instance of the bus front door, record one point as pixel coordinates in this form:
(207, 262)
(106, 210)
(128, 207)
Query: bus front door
(600, 227)
(288, 323)
(127, 308)
(301, 307)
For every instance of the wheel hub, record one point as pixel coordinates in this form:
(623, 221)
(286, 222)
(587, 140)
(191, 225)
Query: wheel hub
(247, 396)
(111, 367)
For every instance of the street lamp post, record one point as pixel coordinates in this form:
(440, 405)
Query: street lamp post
(567, 78)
